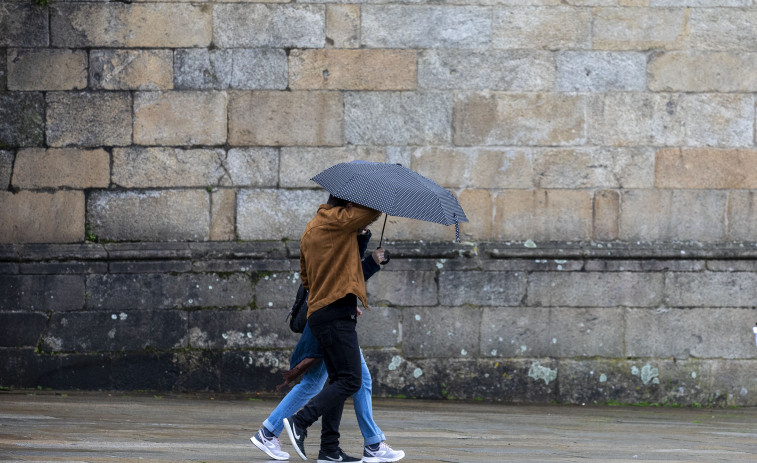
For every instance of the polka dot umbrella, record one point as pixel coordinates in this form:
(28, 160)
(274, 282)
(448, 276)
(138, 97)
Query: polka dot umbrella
(394, 190)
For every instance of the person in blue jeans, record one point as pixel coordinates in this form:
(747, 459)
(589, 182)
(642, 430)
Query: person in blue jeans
(305, 361)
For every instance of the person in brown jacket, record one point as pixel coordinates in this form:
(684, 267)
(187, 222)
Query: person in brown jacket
(331, 271)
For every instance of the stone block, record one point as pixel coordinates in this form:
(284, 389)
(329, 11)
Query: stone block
(203, 69)
(137, 167)
(342, 69)
(22, 119)
(684, 333)
(606, 215)
(62, 268)
(725, 120)
(286, 118)
(380, 327)
(425, 26)
(264, 214)
(199, 371)
(397, 118)
(131, 69)
(69, 372)
(128, 330)
(3, 70)
(180, 118)
(604, 167)
(139, 371)
(672, 215)
(61, 167)
(42, 293)
(6, 169)
(711, 289)
(245, 329)
(601, 71)
(490, 168)
(578, 332)
(21, 329)
(89, 119)
(479, 207)
(723, 29)
(22, 25)
(520, 119)
(515, 332)
(742, 216)
(541, 27)
(223, 208)
(276, 290)
(703, 71)
(639, 28)
(246, 69)
(706, 168)
(298, 165)
(128, 292)
(253, 370)
(152, 215)
(511, 381)
(343, 26)
(494, 289)
(525, 71)
(732, 382)
(403, 288)
(138, 25)
(253, 167)
(40, 217)
(269, 26)
(543, 215)
(594, 289)
(148, 266)
(47, 69)
(441, 332)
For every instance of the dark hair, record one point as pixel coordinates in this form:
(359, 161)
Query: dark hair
(337, 202)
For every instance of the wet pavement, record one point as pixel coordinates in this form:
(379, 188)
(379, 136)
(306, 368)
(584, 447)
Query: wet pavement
(142, 427)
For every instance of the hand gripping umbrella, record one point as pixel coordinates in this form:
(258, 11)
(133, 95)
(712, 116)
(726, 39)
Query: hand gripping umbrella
(394, 190)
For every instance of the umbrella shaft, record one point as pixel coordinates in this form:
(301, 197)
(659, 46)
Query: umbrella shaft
(382, 230)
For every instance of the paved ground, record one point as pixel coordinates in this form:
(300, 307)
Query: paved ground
(98, 427)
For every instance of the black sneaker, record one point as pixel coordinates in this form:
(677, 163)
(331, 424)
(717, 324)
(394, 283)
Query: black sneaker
(339, 456)
(297, 435)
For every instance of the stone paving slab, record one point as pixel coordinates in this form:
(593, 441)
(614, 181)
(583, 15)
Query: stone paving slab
(146, 427)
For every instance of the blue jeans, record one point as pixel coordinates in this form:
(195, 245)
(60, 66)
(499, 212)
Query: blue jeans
(311, 384)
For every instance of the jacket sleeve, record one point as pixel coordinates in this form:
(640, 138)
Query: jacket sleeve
(370, 267)
(360, 216)
(304, 273)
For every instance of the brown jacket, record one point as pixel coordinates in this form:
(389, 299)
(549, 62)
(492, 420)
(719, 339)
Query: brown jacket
(330, 266)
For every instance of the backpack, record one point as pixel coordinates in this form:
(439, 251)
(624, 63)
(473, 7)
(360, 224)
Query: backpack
(298, 316)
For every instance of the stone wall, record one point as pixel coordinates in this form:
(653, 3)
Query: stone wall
(141, 141)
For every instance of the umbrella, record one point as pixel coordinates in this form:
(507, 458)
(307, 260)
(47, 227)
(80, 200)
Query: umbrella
(394, 190)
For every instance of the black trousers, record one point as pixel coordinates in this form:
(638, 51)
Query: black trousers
(341, 355)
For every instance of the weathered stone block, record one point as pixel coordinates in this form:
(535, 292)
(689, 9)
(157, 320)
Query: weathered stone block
(528, 71)
(594, 289)
(578, 332)
(439, 332)
(639, 28)
(148, 266)
(275, 214)
(138, 371)
(672, 215)
(520, 119)
(201, 68)
(223, 208)
(131, 69)
(21, 329)
(541, 27)
(425, 26)
(482, 288)
(606, 215)
(397, 118)
(247, 69)
(701, 71)
(683, 333)
(711, 289)
(276, 290)
(511, 381)
(245, 329)
(727, 29)
(718, 120)
(47, 69)
(22, 119)
(742, 215)
(509, 332)
(125, 331)
(253, 167)
(42, 293)
(492, 168)
(298, 165)
(137, 167)
(380, 327)
(543, 215)
(604, 167)
(479, 207)
(706, 168)
(6, 168)
(63, 167)
(332, 69)
(180, 118)
(116, 292)
(343, 26)
(403, 288)
(76, 371)
(158, 25)
(153, 215)
(286, 118)
(601, 71)
(254, 370)
(732, 382)
(3, 70)
(30, 217)
(269, 26)
(199, 371)
(22, 25)
(89, 119)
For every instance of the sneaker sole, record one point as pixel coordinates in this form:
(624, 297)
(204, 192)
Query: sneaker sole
(265, 450)
(381, 460)
(290, 433)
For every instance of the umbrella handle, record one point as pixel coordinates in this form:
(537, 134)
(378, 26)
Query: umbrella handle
(382, 230)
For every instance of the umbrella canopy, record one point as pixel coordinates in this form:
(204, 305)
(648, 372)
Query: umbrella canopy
(394, 190)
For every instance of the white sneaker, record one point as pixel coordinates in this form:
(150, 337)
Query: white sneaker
(382, 455)
(271, 446)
